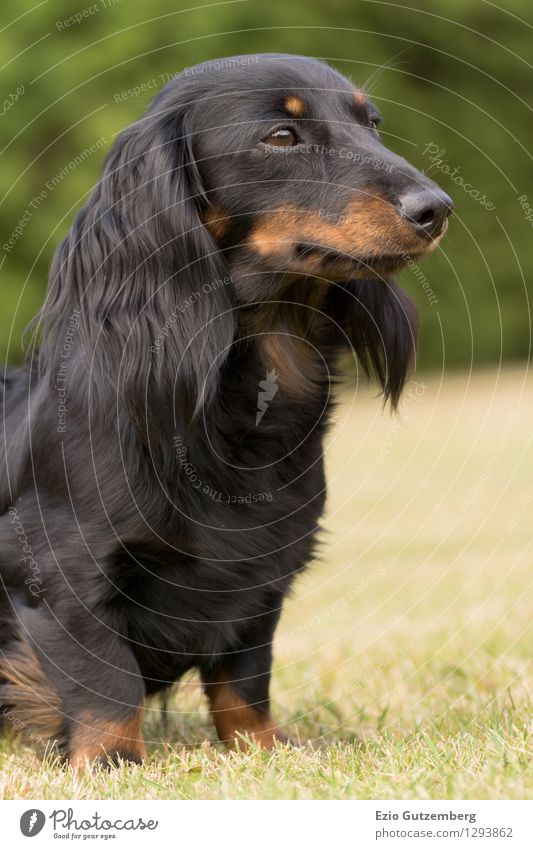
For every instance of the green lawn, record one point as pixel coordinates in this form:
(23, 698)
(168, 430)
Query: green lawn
(404, 655)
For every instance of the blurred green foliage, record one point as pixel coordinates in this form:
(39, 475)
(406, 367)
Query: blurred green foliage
(448, 72)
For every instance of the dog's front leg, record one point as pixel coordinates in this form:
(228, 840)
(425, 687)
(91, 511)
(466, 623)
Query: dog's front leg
(237, 686)
(100, 688)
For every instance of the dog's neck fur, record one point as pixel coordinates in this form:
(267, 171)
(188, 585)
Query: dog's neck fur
(289, 335)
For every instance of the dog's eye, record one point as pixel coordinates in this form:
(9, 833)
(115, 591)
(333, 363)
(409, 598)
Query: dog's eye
(374, 122)
(284, 137)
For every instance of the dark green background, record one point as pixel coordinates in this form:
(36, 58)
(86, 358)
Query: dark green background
(458, 76)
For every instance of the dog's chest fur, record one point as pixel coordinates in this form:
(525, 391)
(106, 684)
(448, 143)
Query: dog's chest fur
(247, 493)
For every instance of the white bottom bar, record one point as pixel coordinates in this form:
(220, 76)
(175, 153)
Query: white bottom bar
(268, 825)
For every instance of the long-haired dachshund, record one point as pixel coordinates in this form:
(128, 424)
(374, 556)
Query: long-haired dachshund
(161, 468)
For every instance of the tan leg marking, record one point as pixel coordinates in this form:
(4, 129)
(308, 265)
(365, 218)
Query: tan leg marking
(94, 738)
(233, 716)
(29, 693)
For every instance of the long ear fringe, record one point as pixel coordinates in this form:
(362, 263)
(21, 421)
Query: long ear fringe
(151, 285)
(381, 322)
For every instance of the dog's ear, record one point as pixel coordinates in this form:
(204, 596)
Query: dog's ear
(381, 323)
(153, 290)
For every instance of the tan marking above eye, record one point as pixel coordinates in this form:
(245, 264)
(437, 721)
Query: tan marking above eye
(359, 98)
(295, 106)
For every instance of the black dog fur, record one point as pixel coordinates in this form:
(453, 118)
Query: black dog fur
(155, 527)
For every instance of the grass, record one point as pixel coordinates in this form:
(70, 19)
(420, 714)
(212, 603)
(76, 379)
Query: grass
(404, 654)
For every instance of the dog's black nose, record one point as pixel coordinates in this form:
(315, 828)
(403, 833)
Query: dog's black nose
(427, 209)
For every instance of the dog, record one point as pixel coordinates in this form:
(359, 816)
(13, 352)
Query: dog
(162, 480)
